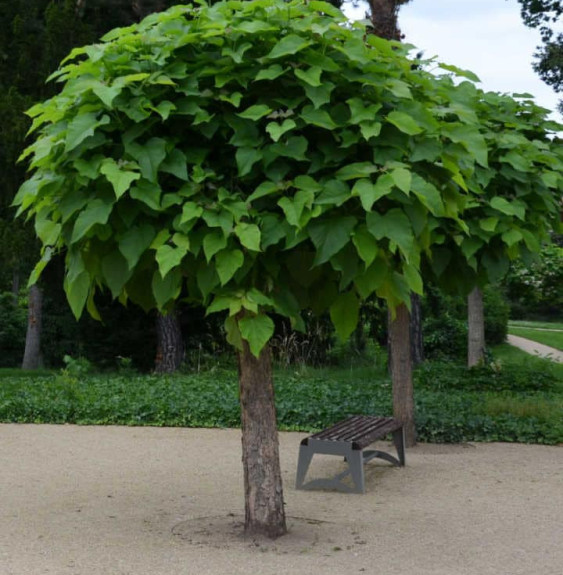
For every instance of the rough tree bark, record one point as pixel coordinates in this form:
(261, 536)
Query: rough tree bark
(170, 346)
(417, 344)
(383, 15)
(475, 328)
(32, 358)
(263, 492)
(400, 366)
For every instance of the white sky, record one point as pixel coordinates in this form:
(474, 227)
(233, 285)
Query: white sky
(484, 36)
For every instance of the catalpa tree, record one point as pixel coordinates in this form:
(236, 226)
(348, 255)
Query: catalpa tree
(257, 157)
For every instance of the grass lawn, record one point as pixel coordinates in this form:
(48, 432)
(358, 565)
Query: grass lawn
(519, 398)
(551, 338)
(535, 324)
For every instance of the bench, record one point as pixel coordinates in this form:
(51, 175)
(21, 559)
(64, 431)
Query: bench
(348, 439)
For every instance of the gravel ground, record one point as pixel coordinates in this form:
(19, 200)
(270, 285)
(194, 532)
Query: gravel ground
(152, 501)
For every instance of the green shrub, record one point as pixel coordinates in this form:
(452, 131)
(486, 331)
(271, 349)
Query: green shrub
(13, 325)
(440, 376)
(497, 312)
(445, 337)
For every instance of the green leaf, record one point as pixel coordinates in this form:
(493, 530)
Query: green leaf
(270, 73)
(176, 164)
(148, 193)
(414, 279)
(120, 179)
(370, 129)
(134, 242)
(335, 193)
(293, 208)
(312, 76)
(166, 289)
(213, 242)
(402, 179)
(470, 138)
(489, 224)
(404, 122)
(255, 112)
(366, 245)
(317, 117)
(77, 291)
(319, 95)
(372, 279)
(514, 208)
(357, 170)
(227, 263)
(249, 236)
(257, 331)
(116, 272)
(369, 192)
(246, 158)
(290, 44)
(294, 147)
(168, 257)
(428, 195)
(233, 332)
(264, 189)
(330, 235)
(96, 212)
(394, 225)
(344, 314)
(82, 127)
(149, 156)
(276, 130)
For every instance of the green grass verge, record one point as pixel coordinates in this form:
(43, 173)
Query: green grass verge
(535, 324)
(519, 399)
(550, 338)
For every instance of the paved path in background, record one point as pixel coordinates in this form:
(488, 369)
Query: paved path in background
(535, 348)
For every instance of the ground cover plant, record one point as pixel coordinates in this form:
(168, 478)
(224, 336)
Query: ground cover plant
(551, 338)
(516, 398)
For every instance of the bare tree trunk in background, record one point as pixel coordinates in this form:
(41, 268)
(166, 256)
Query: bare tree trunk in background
(263, 492)
(476, 328)
(170, 345)
(417, 344)
(401, 372)
(383, 15)
(32, 358)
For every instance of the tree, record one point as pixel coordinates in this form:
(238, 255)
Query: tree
(170, 346)
(543, 14)
(32, 358)
(261, 158)
(402, 343)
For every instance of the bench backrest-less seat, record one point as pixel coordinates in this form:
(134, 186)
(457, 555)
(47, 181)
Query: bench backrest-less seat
(348, 439)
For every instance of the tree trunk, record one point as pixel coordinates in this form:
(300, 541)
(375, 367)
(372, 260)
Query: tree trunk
(32, 358)
(383, 15)
(476, 328)
(170, 346)
(263, 493)
(400, 366)
(417, 345)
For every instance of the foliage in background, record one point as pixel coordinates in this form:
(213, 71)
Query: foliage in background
(536, 289)
(13, 320)
(520, 400)
(545, 16)
(445, 322)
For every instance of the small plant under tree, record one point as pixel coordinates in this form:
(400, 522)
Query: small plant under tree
(257, 157)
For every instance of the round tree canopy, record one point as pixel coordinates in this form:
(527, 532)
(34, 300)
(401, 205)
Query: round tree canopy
(269, 157)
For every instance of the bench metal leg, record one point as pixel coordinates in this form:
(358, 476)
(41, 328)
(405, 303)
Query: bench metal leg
(399, 441)
(356, 462)
(305, 456)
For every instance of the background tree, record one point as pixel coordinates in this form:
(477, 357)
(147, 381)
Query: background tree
(544, 15)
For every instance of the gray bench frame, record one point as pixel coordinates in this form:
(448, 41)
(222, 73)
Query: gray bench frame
(348, 439)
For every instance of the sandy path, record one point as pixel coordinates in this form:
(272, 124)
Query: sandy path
(146, 501)
(535, 348)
